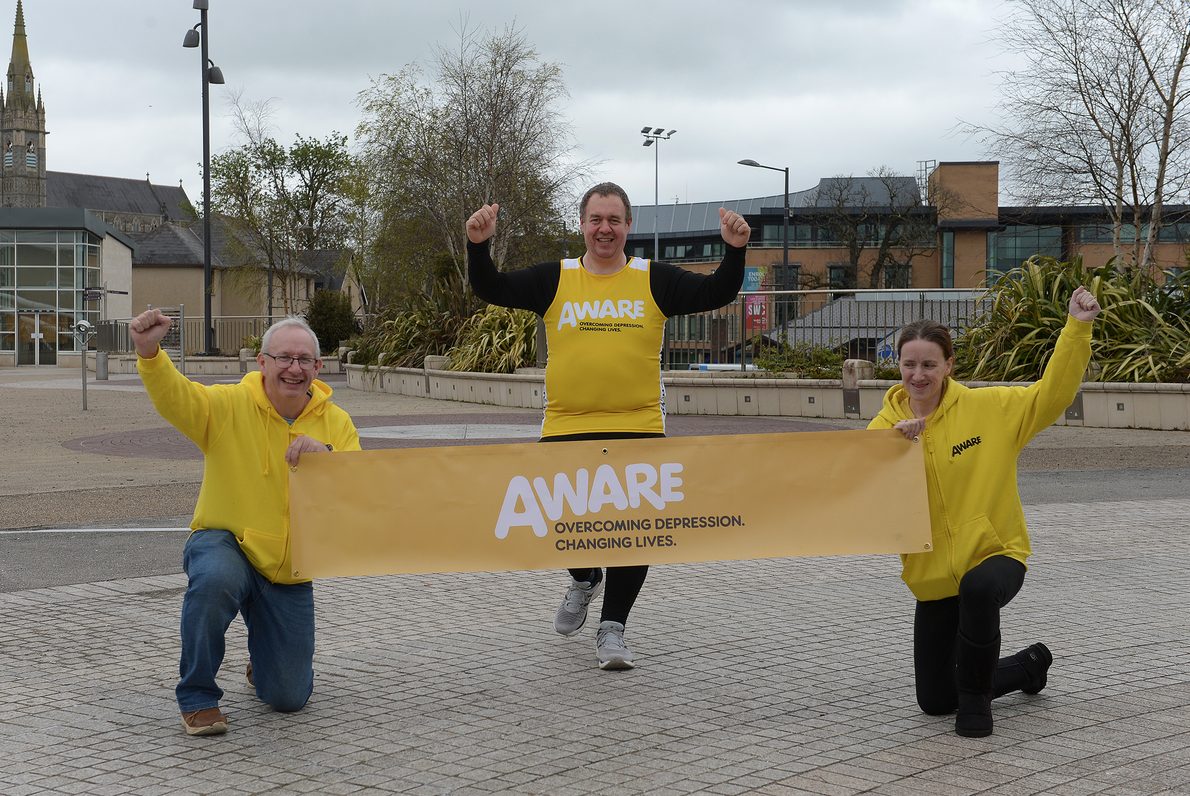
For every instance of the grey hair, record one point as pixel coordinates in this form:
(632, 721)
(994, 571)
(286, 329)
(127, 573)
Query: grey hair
(292, 320)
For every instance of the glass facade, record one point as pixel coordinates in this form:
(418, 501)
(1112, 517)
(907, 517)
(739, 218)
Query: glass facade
(43, 274)
(1014, 244)
(1177, 232)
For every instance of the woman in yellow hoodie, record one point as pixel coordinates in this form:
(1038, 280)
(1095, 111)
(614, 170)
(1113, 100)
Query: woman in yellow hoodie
(972, 439)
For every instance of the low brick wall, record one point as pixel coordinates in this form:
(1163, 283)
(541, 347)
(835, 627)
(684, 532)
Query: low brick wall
(1098, 405)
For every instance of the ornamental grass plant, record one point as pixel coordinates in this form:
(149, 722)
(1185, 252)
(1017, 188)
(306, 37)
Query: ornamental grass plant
(1142, 335)
(496, 340)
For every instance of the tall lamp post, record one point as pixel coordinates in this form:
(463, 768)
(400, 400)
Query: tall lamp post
(781, 317)
(653, 135)
(210, 74)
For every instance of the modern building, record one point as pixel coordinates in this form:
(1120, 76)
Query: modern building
(942, 229)
(948, 231)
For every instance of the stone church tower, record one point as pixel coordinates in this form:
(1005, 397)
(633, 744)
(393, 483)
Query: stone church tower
(22, 129)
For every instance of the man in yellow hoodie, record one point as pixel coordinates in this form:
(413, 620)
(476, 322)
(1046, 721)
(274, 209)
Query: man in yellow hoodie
(237, 558)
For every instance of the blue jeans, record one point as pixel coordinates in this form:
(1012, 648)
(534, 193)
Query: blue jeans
(279, 618)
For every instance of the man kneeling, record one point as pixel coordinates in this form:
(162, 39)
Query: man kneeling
(237, 558)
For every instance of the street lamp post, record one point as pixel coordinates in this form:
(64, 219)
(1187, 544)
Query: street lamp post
(653, 135)
(781, 317)
(210, 74)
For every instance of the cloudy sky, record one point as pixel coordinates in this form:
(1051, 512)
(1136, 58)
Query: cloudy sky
(824, 88)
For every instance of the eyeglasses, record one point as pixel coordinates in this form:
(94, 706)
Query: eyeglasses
(284, 360)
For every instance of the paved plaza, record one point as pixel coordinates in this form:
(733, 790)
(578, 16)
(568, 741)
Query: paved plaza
(789, 676)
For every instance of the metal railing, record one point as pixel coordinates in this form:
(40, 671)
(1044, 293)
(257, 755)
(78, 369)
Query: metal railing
(230, 331)
(862, 324)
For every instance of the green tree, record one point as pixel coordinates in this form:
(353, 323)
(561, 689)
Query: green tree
(331, 318)
(281, 201)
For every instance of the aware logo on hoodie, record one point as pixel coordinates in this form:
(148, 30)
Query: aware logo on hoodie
(957, 450)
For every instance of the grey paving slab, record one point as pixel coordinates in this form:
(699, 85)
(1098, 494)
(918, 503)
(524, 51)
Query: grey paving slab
(776, 676)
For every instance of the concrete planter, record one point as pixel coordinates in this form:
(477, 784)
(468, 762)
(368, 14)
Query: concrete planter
(1098, 405)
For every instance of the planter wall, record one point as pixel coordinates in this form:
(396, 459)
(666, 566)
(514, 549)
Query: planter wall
(1098, 405)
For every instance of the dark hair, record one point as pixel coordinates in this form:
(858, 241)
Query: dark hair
(605, 189)
(930, 331)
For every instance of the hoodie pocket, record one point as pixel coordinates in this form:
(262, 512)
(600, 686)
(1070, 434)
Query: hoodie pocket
(974, 541)
(265, 550)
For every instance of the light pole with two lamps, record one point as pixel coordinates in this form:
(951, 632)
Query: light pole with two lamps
(210, 74)
(655, 135)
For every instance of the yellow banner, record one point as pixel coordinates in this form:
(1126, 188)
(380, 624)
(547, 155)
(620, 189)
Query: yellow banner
(607, 503)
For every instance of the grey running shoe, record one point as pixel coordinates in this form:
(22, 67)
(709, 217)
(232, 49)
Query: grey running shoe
(572, 614)
(610, 648)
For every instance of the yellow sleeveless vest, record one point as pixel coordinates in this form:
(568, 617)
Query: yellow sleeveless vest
(603, 373)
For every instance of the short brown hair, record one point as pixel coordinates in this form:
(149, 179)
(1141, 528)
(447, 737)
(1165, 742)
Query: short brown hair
(932, 332)
(605, 189)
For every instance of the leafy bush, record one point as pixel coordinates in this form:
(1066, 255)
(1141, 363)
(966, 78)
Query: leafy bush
(496, 340)
(427, 323)
(331, 318)
(1142, 335)
(251, 341)
(801, 361)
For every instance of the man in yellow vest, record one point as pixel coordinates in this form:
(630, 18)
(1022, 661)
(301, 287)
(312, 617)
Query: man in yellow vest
(604, 315)
(237, 558)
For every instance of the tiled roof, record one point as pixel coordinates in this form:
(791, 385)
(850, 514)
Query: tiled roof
(116, 195)
(168, 244)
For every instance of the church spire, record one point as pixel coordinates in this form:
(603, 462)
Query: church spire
(20, 71)
(22, 128)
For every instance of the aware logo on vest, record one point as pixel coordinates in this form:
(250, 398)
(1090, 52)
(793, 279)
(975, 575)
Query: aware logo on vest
(574, 311)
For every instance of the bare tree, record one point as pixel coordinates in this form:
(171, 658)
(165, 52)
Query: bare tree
(882, 222)
(1100, 113)
(487, 129)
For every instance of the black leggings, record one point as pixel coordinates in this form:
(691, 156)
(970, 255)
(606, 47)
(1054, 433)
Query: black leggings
(975, 613)
(619, 593)
(623, 583)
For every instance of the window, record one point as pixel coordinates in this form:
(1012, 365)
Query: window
(897, 276)
(1174, 233)
(679, 251)
(1013, 245)
(841, 275)
(786, 277)
(947, 276)
(714, 251)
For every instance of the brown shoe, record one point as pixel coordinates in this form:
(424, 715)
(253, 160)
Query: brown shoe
(209, 721)
(248, 674)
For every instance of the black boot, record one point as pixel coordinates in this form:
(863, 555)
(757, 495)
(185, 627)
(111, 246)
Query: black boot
(974, 670)
(1025, 671)
(1036, 660)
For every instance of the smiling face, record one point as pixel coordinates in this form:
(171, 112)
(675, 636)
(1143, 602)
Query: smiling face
(605, 227)
(288, 387)
(924, 368)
